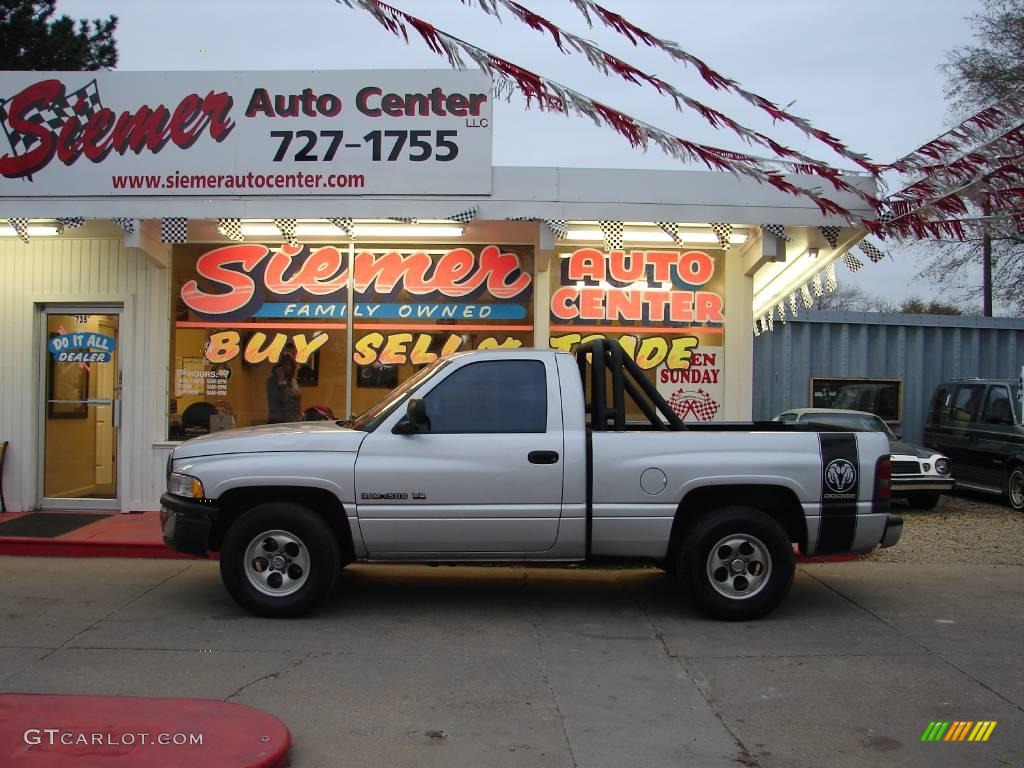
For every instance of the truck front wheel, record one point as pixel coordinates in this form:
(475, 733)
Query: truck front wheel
(279, 560)
(737, 563)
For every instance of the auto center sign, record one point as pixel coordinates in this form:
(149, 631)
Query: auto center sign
(244, 133)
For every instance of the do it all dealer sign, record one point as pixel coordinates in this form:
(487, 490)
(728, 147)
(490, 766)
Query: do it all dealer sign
(244, 133)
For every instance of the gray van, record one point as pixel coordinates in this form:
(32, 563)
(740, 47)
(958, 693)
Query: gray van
(977, 424)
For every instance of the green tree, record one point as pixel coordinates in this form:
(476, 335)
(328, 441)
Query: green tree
(976, 76)
(31, 39)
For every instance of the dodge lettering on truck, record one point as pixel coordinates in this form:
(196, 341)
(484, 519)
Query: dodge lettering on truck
(526, 456)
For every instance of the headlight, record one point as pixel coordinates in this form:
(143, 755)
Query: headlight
(942, 466)
(184, 485)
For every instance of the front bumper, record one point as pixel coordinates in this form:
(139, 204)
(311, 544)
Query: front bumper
(893, 530)
(186, 523)
(903, 486)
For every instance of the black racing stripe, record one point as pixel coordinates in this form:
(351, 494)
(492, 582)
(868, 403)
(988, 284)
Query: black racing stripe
(838, 491)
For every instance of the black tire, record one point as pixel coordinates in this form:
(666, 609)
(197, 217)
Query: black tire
(301, 538)
(771, 547)
(1015, 487)
(924, 500)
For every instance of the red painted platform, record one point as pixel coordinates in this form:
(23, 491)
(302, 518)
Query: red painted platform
(45, 731)
(138, 534)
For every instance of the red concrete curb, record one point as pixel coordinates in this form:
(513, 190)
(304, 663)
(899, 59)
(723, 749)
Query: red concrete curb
(47, 731)
(32, 547)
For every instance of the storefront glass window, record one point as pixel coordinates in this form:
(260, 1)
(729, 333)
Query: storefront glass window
(244, 311)
(666, 308)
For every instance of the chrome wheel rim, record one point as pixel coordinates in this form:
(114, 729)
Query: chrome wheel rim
(1017, 488)
(277, 563)
(739, 566)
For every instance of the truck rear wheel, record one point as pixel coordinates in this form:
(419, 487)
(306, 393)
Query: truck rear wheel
(737, 562)
(1015, 487)
(279, 560)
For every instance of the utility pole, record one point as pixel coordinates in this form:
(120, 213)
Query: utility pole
(986, 259)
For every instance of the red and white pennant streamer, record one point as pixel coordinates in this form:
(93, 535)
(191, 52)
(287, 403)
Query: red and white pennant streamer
(717, 81)
(553, 96)
(608, 64)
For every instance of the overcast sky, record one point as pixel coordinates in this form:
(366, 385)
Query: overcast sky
(866, 71)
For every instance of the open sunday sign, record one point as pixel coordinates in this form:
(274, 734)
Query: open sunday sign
(82, 348)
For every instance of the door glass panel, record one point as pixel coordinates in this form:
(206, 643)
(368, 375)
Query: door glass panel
(82, 391)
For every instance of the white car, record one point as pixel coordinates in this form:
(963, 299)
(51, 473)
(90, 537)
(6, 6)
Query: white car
(919, 474)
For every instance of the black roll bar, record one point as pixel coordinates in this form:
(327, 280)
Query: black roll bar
(626, 377)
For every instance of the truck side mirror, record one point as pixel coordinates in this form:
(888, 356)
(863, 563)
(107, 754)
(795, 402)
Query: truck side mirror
(415, 418)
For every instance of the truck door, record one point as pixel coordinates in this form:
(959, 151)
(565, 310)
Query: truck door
(485, 477)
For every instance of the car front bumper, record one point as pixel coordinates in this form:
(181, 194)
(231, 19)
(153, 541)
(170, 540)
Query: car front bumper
(907, 485)
(186, 523)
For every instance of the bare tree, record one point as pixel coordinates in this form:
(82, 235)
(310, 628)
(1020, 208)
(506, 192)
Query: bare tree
(846, 298)
(978, 75)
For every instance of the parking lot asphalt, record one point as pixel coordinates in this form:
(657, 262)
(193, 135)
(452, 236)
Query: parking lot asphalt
(511, 666)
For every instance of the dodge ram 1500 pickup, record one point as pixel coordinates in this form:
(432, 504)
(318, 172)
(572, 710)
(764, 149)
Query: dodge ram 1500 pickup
(526, 456)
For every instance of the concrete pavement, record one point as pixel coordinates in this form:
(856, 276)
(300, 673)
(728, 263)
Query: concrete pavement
(421, 666)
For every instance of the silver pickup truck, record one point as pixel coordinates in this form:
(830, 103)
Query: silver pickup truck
(526, 456)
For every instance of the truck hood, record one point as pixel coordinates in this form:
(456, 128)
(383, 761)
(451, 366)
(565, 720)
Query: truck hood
(909, 449)
(299, 436)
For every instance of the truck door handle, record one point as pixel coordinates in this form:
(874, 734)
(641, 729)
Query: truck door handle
(543, 457)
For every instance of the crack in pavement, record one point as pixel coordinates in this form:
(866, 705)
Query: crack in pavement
(551, 690)
(745, 757)
(915, 641)
(274, 675)
(103, 618)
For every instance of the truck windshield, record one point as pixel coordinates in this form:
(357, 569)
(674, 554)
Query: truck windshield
(368, 420)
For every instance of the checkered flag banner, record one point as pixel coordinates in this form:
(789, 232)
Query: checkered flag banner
(831, 235)
(345, 224)
(699, 404)
(671, 229)
(20, 226)
(231, 229)
(174, 230)
(768, 322)
(792, 304)
(818, 289)
(71, 222)
(723, 232)
(782, 311)
(466, 216)
(559, 227)
(757, 327)
(831, 281)
(777, 230)
(612, 231)
(805, 293)
(852, 262)
(871, 251)
(82, 104)
(287, 229)
(402, 219)
(127, 225)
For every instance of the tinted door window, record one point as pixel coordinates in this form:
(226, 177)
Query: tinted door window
(938, 403)
(966, 401)
(491, 396)
(997, 406)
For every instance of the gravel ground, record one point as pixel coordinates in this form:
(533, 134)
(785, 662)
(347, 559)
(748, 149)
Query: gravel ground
(962, 529)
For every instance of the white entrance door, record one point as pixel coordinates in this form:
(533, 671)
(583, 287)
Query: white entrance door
(81, 407)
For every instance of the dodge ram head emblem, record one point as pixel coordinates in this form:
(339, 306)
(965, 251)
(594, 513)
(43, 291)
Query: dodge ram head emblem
(840, 476)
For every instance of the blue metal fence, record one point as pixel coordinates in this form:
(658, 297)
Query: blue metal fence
(920, 350)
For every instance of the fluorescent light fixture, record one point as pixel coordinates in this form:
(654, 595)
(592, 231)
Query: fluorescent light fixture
(812, 253)
(652, 236)
(303, 229)
(34, 230)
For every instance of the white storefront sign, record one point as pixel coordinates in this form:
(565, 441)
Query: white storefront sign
(244, 133)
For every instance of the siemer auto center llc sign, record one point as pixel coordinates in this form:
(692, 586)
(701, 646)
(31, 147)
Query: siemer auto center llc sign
(244, 133)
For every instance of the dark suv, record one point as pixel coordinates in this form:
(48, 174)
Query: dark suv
(977, 424)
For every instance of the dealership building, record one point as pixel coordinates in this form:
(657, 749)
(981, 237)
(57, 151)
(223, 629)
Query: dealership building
(165, 238)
